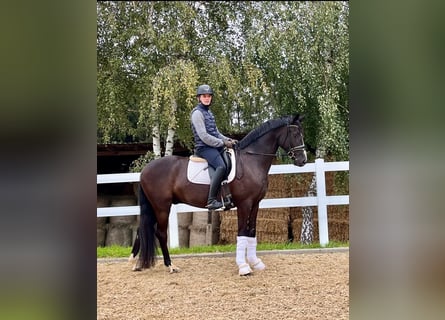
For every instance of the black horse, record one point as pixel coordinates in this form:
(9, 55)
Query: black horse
(164, 182)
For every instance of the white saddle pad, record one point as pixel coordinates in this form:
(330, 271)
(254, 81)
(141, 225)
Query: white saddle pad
(197, 169)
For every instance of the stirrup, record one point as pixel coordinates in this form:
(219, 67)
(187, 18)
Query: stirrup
(214, 204)
(228, 203)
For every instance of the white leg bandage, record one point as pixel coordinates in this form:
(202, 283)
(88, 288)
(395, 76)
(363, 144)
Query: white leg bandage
(241, 245)
(252, 258)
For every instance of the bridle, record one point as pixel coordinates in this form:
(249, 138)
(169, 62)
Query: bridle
(293, 150)
(290, 153)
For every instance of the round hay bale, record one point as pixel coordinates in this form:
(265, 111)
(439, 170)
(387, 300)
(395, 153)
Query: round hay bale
(184, 237)
(121, 202)
(102, 202)
(134, 231)
(200, 218)
(101, 222)
(185, 219)
(121, 235)
(198, 229)
(198, 235)
(101, 236)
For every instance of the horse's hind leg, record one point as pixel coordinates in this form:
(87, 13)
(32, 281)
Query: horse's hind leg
(161, 233)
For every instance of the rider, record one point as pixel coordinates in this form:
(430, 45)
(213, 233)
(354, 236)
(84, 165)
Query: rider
(209, 142)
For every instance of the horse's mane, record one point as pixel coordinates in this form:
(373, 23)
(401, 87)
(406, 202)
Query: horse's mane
(262, 130)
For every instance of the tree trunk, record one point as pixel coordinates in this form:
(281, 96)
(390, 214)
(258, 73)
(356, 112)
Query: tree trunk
(307, 226)
(156, 142)
(171, 131)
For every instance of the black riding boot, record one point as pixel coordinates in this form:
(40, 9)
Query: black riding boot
(212, 202)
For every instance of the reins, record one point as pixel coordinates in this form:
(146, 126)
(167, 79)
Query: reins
(262, 154)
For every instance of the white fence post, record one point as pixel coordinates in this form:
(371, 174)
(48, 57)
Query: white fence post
(322, 202)
(173, 235)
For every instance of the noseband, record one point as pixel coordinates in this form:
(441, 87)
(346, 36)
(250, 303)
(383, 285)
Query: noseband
(293, 150)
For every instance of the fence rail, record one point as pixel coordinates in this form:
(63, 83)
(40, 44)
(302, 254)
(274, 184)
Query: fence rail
(321, 200)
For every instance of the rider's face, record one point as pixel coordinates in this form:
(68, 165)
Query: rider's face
(205, 99)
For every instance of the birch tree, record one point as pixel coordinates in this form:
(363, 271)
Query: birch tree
(324, 73)
(170, 103)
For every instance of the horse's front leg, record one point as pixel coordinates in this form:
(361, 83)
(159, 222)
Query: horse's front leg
(248, 242)
(255, 262)
(161, 233)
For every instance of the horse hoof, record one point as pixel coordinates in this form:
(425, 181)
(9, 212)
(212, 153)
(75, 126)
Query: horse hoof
(244, 269)
(259, 265)
(174, 269)
(137, 266)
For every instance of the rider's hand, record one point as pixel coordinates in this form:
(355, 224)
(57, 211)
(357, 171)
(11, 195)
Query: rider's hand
(229, 143)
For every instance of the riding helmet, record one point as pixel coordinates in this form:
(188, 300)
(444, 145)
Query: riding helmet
(204, 89)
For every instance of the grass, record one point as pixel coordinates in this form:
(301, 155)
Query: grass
(119, 252)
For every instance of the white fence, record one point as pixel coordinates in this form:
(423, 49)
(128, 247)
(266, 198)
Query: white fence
(321, 200)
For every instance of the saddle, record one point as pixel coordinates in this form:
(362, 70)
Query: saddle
(199, 171)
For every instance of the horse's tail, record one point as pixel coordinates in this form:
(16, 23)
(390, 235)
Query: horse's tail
(145, 239)
(136, 246)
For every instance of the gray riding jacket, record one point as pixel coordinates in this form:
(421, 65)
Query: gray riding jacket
(204, 128)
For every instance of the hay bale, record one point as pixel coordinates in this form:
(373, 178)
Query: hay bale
(340, 212)
(119, 234)
(198, 235)
(277, 186)
(338, 230)
(294, 213)
(214, 227)
(299, 184)
(228, 228)
(272, 226)
(101, 236)
(102, 202)
(203, 231)
(200, 218)
(120, 202)
(184, 221)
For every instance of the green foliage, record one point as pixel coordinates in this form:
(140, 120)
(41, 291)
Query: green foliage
(263, 59)
(139, 164)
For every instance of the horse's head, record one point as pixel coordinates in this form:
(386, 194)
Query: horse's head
(293, 142)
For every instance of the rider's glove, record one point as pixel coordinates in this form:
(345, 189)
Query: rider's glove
(229, 143)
